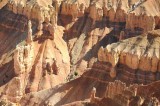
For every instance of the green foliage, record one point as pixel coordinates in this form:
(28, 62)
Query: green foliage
(75, 73)
(72, 76)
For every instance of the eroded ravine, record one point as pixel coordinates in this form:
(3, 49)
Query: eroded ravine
(48, 44)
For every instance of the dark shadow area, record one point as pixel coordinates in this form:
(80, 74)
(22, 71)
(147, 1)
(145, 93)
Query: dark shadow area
(76, 29)
(137, 31)
(111, 37)
(13, 32)
(6, 73)
(131, 76)
(63, 20)
(46, 35)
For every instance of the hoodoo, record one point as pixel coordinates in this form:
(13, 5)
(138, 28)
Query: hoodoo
(80, 52)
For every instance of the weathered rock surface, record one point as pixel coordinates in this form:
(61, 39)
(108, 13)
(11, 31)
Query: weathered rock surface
(135, 59)
(39, 10)
(36, 63)
(129, 96)
(62, 40)
(134, 17)
(126, 18)
(141, 52)
(122, 94)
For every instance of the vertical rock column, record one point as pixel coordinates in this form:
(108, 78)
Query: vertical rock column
(115, 88)
(23, 58)
(93, 95)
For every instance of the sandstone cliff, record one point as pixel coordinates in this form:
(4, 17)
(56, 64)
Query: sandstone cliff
(131, 17)
(142, 50)
(124, 19)
(140, 54)
(122, 94)
(32, 62)
(45, 43)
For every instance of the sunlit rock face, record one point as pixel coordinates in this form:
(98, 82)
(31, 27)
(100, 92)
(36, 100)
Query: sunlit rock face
(34, 51)
(47, 44)
(140, 54)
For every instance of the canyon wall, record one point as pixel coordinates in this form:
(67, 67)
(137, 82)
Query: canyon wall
(67, 36)
(123, 18)
(132, 95)
(143, 51)
(127, 19)
(37, 58)
(37, 10)
(140, 54)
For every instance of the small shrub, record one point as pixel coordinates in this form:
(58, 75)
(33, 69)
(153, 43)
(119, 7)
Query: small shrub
(75, 73)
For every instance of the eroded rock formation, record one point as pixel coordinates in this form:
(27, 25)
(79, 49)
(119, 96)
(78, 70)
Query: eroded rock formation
(33, 9)
(83, 38)
(115, 88)
(23, 56)
(40, 61)
(137, 53)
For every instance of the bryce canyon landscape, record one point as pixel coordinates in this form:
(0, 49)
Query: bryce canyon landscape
(80, 53)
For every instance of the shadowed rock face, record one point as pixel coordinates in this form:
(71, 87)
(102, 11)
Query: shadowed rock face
(115, 93)
(47, 44)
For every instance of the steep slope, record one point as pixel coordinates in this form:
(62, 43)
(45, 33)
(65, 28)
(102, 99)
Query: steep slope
(107, 93)
(138, 55)
(125, 18)
(76, 90)
(28, 65)
(45, 43)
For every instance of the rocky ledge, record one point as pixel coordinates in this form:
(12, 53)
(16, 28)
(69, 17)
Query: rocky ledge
(45, 42)
(140, 54)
